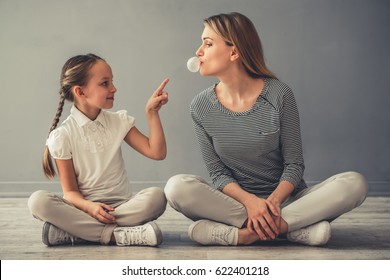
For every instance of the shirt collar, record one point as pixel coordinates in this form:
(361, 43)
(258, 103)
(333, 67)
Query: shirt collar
(82, 119)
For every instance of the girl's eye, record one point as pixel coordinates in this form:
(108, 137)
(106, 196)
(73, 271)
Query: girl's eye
(105, 84)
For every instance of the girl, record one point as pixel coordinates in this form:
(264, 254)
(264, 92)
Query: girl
(248, 129)
(97, 203)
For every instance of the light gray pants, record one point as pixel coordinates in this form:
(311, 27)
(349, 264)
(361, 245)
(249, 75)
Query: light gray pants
(145, 206)
(196, 199)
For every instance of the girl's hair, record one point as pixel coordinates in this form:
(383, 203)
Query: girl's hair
(237, 30)
(74, 73)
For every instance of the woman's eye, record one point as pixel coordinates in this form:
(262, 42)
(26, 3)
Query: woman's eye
(207, 44)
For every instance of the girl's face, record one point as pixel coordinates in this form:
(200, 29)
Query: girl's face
(214, 55)
(99, 91)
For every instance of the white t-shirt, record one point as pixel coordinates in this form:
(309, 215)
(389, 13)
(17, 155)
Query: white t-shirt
(95, 148)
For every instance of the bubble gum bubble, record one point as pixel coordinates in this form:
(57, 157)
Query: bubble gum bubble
(193, 64)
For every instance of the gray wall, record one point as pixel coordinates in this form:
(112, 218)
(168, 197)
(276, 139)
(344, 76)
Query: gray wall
(333, 53)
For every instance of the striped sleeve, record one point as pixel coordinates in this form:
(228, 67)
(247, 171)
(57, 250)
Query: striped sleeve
(290, 137)
(218, 172)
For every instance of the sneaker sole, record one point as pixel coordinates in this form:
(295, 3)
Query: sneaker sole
(158, 233)
(191, 228)
(45, 233)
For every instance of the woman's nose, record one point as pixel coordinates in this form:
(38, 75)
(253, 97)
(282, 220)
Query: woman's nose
(199, 52)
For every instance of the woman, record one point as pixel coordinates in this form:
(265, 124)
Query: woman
(248, 129)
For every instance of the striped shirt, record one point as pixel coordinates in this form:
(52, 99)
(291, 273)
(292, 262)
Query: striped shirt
(257, 148)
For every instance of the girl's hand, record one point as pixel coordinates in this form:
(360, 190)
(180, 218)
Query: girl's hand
(100, 212)
(261, 218)
(158, 98)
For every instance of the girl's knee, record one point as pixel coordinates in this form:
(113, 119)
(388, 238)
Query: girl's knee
(158, 196)
(37, 202)
(156, 193)
(157, 200)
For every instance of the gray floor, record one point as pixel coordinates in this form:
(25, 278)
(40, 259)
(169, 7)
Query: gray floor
(360, 234)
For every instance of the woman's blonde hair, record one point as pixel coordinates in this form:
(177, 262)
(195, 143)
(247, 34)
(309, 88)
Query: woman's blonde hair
(237, 30)
(74, 73)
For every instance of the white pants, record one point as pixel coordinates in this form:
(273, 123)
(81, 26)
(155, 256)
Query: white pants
(143, 207)
(196, 199)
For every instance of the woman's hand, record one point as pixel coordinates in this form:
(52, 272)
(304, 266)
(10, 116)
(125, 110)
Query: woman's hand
(276, 213)
(158, 98)
(275, 200)
(100, 212)
(262, 217)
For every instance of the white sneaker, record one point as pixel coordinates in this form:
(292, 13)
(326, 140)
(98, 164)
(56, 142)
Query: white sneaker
(207, 232)
(145, 235)
(52, 236)
(315, 235)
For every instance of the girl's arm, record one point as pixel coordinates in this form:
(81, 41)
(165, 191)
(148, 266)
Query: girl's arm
(72, 194)
(154, 146)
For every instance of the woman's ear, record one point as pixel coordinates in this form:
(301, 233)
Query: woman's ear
(234, 54)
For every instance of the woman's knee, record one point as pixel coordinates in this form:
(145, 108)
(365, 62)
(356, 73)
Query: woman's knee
(171, 186)
(178, 186)
(357, 186)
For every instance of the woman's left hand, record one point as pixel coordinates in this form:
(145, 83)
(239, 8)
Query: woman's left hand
(261, 219)
(275, 213)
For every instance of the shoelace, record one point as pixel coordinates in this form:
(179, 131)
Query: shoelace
(221, 234)
(64, 237)
(134, 235)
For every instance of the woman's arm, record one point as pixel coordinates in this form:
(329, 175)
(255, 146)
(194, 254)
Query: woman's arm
(72, 194)
(290, 140)
(219, 173)
(291, 148)
(154, 146)
(276, 198)
(281, 193)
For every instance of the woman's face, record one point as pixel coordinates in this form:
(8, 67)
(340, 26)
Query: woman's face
(214, 55)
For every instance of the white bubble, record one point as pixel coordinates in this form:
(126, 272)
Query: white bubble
(193, 64)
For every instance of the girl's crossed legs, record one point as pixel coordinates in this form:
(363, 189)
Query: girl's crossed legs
(145, 206)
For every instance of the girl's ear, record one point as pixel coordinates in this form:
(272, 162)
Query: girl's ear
(234, 54)
(78, 91)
